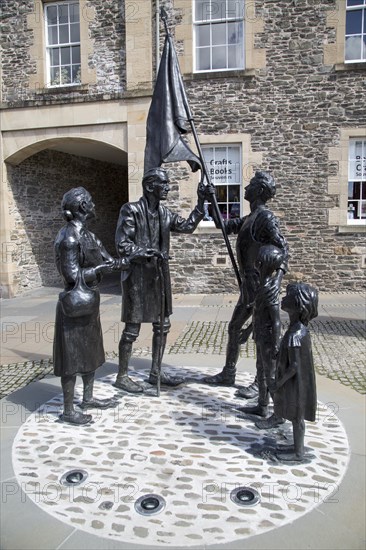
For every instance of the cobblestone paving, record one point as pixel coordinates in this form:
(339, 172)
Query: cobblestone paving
(190, 446)
(338, 347)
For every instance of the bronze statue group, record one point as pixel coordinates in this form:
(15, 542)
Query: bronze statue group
(284, 367)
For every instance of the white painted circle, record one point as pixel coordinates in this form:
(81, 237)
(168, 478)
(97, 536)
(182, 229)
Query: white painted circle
(190, 447)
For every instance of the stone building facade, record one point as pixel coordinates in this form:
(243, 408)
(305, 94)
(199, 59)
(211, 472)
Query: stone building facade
(293, 105)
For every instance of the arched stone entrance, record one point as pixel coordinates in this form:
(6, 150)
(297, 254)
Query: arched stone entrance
(36, 177)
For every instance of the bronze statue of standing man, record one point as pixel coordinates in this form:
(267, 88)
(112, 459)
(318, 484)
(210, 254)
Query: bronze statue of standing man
(143, 230)
(260, 227)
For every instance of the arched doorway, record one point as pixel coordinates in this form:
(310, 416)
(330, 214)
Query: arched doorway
(38, 176)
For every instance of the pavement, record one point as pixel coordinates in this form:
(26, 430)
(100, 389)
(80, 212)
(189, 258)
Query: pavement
(197, 337)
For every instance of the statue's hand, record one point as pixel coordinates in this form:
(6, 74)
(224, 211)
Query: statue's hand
(142, 255)
(205, 192)
(106, 267)
(210, 191)
(120, 264)
(201, 191)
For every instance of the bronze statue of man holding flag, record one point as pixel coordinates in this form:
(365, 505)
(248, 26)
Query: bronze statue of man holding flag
(143, 231)
(144, 226)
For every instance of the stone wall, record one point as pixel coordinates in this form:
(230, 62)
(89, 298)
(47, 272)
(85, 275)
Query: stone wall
(106, 29)
(37, 186)
(294, 110)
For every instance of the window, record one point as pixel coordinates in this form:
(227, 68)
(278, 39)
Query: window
(356, 211)
(219, 35)
(63, 43)
(355, 50)
(224, 167)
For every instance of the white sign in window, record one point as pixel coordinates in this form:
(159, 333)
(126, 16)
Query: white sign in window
(224, 166)
(357, 181)
(63, 43)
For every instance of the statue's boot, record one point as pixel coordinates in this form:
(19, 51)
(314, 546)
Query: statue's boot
(248, 392)
(224, 378)
(257, 410)
(157, 356)
(77, 418)
(271, 422)
(95, 403)
(123, 381)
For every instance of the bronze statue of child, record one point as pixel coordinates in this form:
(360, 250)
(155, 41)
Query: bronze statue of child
(266, 332)
(294, 388)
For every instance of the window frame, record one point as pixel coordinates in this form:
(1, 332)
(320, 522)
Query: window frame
(362, 180)
(227, 145)
(211, 22)
(59, 45)
(361, 6)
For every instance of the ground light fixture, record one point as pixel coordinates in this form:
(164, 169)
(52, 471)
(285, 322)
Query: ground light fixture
(148, 505)
(245, 496)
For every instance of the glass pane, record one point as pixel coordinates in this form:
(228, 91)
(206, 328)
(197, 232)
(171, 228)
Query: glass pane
(74, 13)
(234, 210)
(353, 47)
(219, 57)
(354, 3)
(64, 34)
(75, 54)
(355, 170)
(234, 165)
(55, 56)
(52, 35)
(363, 209)
(63, 13)
(235, 57)
(356, 190)
(234, 33)
(203, 35)
(363, 190)
(75, 32)
(221, 193)
(202, 10)
(65, 56)
(55, 76)
(219, 34)
(357, 149)
(354, 22)
(203, 59)
(364, 41)
(52, 15)
(352, 210)
(235, 8)
(234, 193)
(218, 9)
(223, 210)
(220, 154)
(65, 75)
(76, 73)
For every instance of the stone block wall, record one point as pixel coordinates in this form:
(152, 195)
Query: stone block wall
(23, 45)
(37, 186)
(294, 110)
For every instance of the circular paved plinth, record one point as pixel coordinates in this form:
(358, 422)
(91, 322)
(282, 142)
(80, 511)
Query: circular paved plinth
(191, 447)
